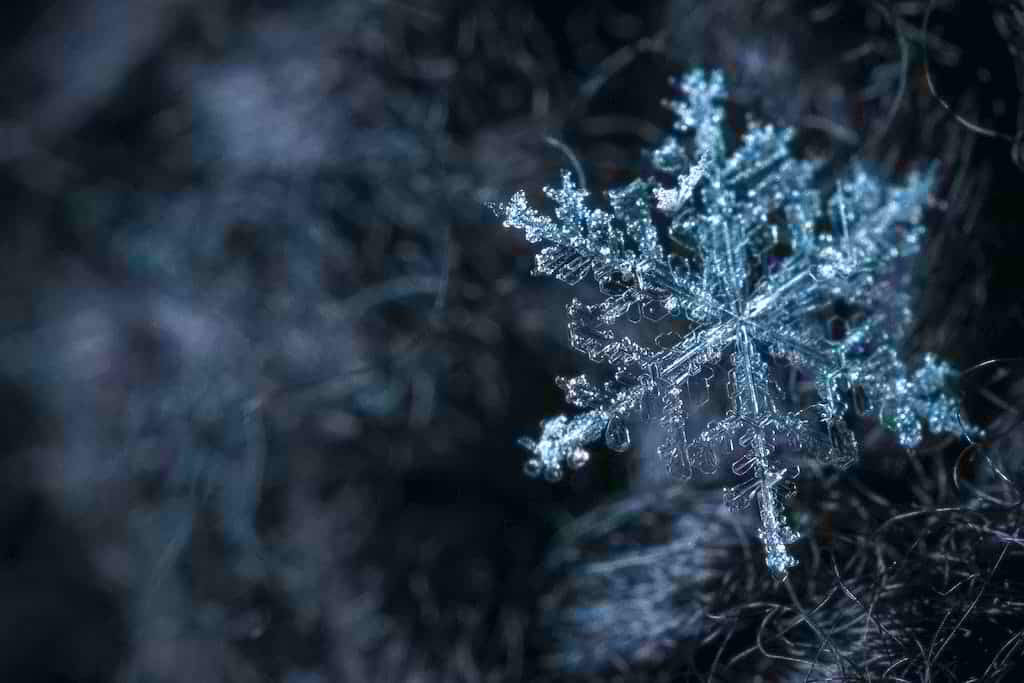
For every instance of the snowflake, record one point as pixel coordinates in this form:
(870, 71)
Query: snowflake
(760, 271)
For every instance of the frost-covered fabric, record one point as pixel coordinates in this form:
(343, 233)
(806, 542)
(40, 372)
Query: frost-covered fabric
(765, 273)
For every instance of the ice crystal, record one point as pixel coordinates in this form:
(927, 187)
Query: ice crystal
(765, 273)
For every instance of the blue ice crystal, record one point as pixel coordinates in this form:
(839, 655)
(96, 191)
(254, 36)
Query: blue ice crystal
(764, 274)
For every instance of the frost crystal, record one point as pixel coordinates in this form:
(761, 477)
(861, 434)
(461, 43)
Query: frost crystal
(761, 273)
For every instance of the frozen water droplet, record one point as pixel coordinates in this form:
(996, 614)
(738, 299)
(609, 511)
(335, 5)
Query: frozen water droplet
(532, 467)
(617, 434)
(578, 458)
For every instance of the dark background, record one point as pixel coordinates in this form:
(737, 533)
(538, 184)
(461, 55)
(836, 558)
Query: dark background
(265, 352)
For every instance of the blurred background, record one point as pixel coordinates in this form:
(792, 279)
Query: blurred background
(265, 351)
